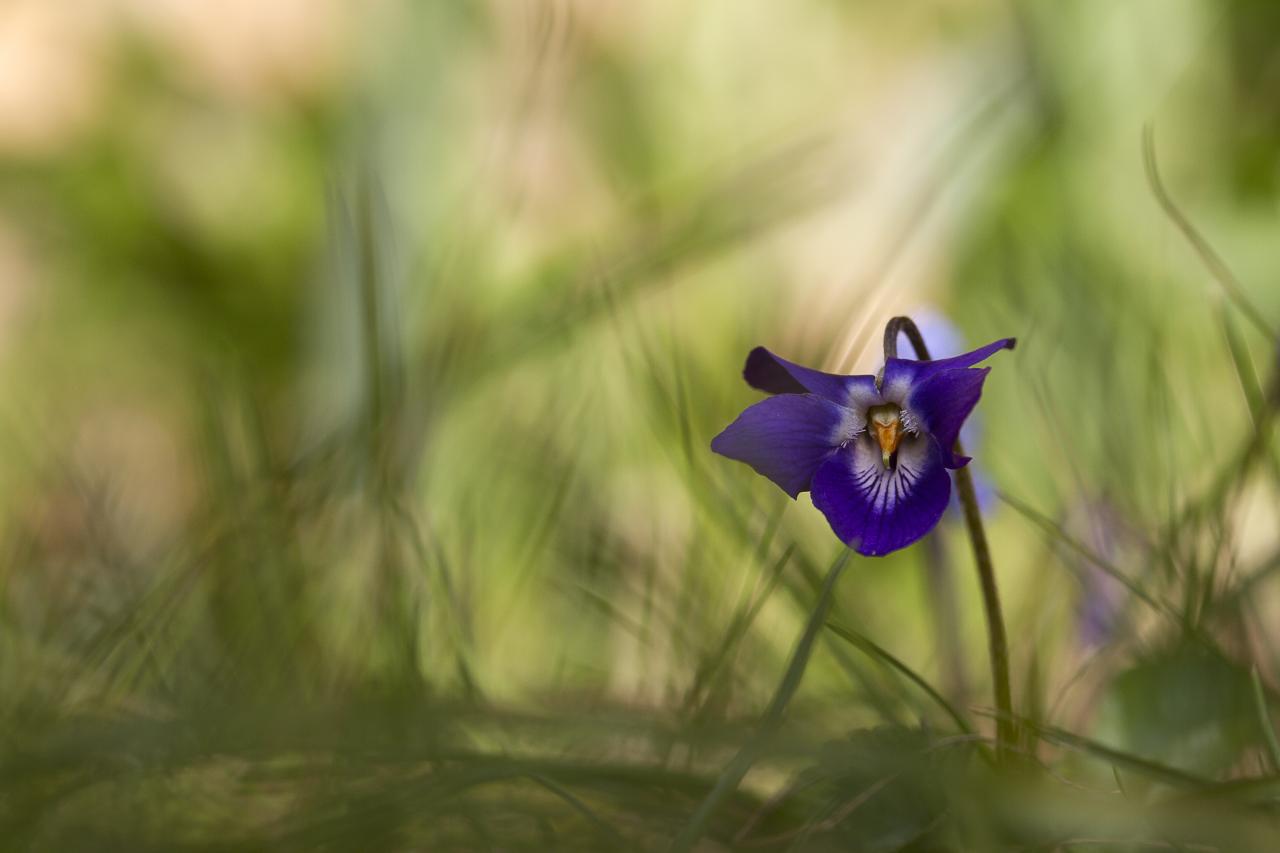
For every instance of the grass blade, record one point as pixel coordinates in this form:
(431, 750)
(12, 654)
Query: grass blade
(869, 646)
(741, 763)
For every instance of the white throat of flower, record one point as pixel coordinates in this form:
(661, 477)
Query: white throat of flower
(886, 425)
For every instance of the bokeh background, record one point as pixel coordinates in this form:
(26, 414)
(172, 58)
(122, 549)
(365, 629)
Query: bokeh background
(359, 365)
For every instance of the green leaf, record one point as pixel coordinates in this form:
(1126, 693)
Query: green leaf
(1190, 707)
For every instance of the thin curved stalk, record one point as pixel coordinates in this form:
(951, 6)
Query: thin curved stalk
(997, 641)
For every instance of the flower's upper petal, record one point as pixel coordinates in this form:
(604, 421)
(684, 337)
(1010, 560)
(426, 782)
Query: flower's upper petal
(875, 510)
(766, 372)
(942, 402)
(902, 373)
(786, 438)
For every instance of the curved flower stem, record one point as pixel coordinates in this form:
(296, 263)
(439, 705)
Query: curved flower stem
(904, 326)
(997, 642)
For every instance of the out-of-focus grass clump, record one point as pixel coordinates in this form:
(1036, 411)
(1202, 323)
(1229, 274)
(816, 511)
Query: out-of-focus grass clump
(359, 363)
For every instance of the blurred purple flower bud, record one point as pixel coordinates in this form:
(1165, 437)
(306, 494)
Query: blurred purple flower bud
(1102, 596)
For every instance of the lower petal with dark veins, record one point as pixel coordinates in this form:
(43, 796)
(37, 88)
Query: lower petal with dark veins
(874, 509)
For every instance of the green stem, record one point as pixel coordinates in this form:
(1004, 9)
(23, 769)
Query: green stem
(997, 642)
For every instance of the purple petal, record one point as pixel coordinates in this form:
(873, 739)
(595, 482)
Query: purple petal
(875, 510)
(766, 372)
(942, 402)
(786, 438)
(901, 373)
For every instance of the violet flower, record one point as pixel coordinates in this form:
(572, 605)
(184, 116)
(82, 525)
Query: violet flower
(873, 453)
(945, 340)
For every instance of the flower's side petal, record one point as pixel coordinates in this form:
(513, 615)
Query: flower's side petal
(942, 402)
(969, 359)
(786, 438)
(874, 510)
(901, 373)
(773, 375)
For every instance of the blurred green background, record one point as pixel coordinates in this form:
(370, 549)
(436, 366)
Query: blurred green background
(359, 365)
